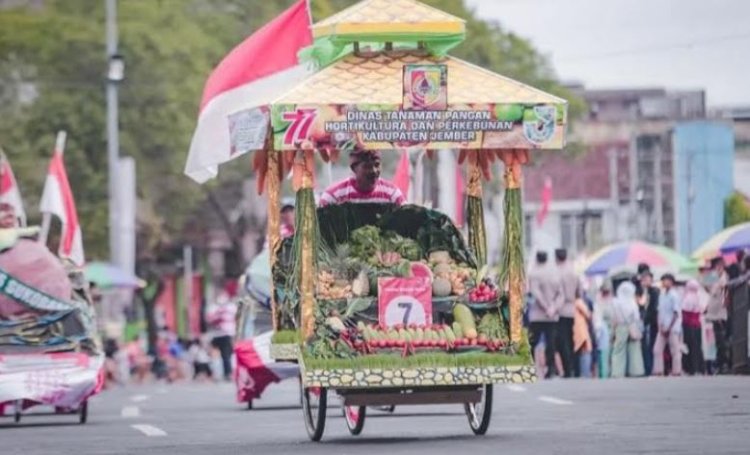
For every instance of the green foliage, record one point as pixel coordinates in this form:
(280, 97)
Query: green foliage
(52, 68)
(285, 337)
(736, 210)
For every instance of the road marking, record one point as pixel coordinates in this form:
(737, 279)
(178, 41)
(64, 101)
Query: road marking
(138, 398)
(516, 388)
(149, 430)
(554, 400)
(129, 412)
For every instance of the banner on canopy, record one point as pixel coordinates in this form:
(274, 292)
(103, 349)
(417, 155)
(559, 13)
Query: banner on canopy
(387, 127)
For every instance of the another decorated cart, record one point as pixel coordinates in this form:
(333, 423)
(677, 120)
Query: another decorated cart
(390, 305)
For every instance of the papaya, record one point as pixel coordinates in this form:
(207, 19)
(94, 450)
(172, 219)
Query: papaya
(457, 331)
(449, 335)
(463, 315)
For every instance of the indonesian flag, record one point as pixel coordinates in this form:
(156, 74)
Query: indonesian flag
(57, 200)
(256, 370)
(403, 174)
(546, 200)
(255, 73)
(9, 192)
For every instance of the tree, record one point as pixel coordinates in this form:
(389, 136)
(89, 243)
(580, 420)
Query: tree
(736, 210)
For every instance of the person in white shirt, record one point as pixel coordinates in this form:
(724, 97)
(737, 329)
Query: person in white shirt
(670, 328)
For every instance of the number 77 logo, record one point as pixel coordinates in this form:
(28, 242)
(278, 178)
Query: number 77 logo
(299, 130)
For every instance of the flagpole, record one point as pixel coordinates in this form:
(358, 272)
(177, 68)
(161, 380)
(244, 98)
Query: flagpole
(46, 216)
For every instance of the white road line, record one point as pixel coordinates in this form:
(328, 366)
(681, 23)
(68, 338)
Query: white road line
(554, 400)
(149, 430)
(516, 388)
(130, 412)
(138, 398)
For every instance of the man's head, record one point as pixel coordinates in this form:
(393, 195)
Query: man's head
(717, 264)
(541, 257)
(647, 279)
(561, 255)
(366, 167)
(643, 268)
(667, 281)
(7, 216)
(287, 214)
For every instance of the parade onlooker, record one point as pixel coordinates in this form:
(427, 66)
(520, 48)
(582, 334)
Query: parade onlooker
(692, 309)
(571, 287)
(670, 328)
(546, 292)
(603, 328)
(199, 355)
(715, 282)
(582, 344)
(648, 304)
(627, 359)
(221, 316)
(287, 221)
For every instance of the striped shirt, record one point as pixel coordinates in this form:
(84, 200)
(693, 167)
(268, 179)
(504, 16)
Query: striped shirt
(384, 192)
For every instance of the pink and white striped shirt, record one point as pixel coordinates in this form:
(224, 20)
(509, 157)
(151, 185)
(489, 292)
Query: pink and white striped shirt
(384, 192)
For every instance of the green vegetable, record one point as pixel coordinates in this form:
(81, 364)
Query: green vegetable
(463, 315)
(493, 327)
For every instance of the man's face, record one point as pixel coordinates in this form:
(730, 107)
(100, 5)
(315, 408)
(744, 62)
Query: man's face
(719, 267)
(287, 217)
(7, 217)
(667, 283)
(646, 281)
(367, 173)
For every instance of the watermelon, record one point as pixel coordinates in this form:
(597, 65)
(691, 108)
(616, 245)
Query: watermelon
(421, 270)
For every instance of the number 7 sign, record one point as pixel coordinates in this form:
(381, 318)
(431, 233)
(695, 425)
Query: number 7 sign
(404, 301)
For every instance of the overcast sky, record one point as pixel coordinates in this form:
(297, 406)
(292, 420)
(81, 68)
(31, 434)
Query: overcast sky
(677, 44)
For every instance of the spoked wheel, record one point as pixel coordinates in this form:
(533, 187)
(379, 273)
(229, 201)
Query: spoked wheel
(355, 418)
(314, 402)
(249, 404)
(479, 413)
(83, 412)
(17, 414)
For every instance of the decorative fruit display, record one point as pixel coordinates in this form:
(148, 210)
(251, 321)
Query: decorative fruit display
(463, 316)
(456, 275)
(492, 328)
(483, 293)
(328, 287)
(421, 270)
(441, 287)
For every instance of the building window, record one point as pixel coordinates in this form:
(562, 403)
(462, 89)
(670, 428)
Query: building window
(581, 231)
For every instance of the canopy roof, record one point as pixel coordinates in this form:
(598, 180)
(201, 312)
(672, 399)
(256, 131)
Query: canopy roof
(377, 78)
(380, 17)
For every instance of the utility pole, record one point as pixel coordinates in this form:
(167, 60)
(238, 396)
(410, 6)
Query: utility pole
(691, 198)
(633, 229)
(114, 77)
(614, 193)
(658, 193)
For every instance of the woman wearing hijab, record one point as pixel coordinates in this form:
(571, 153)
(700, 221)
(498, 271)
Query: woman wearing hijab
(603, 328)
(627, 358)
(692, 308)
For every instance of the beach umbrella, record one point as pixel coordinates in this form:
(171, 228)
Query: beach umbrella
(630, 254)
(729, 240)
(106, 276)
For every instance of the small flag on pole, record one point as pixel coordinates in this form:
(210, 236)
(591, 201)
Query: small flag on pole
(57, 200)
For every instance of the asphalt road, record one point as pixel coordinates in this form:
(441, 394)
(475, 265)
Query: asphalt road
(636, 416)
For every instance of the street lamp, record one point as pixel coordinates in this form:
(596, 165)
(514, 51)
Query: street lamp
(115, 75)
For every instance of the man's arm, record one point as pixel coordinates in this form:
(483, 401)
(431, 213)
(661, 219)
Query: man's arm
(397, 197)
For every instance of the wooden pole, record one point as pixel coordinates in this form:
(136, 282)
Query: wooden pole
(273, 186)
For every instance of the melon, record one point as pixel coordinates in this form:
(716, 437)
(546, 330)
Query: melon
(440, 256)
(441, 287)
(421, 270)
(442, 269)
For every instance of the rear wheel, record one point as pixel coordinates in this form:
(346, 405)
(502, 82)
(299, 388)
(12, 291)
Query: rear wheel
(314, 402)
(17, 414)
(355, 418)
(479, 413)
(249, 404)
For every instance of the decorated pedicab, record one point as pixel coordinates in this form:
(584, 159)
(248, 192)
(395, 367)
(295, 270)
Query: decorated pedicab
(385, 304)
(49, 352)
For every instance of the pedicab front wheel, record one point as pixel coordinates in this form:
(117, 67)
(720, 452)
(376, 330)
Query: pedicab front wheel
(479, 413)
(355, 418)
(314, 402)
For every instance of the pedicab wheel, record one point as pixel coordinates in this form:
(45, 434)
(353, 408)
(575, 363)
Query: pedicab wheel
(355, 418)
(314, 411)
(83, 412)
(479, 413)
(249, 404)
(17, 414)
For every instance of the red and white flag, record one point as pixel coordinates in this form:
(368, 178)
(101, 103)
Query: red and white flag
(546, 201)
(257, 71)
(256, 370)
(9, 192)
(57, 200)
